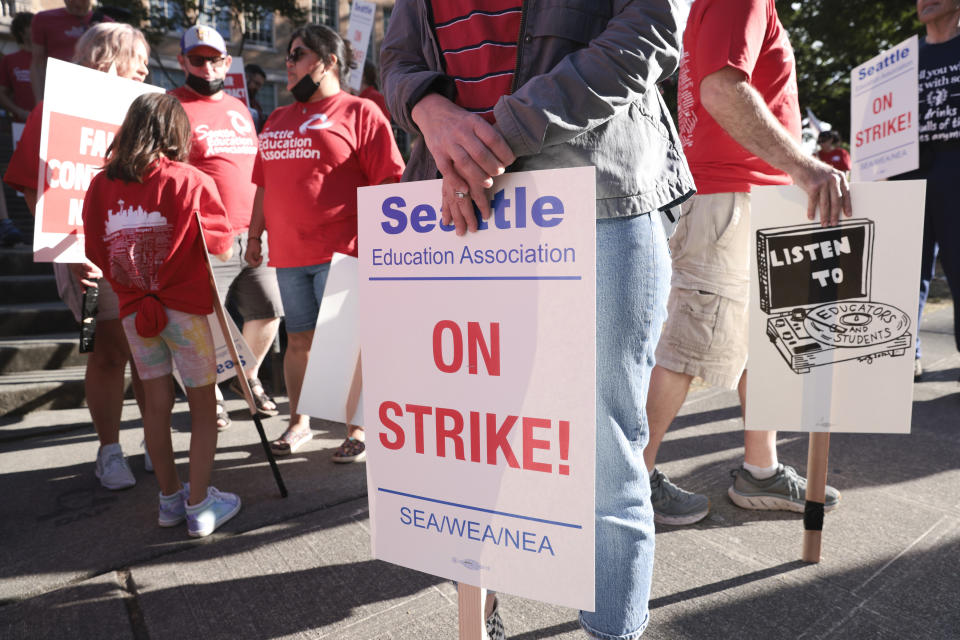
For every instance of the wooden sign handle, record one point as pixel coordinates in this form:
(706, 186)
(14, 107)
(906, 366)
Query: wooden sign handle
(817, 454)
(470, 603)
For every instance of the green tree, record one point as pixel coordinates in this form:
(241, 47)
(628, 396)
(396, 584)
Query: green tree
(157, 18)
(831, 37)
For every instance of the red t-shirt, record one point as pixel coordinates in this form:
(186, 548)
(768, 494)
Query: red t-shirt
(372, 94)
(24, 165)
(478, 42)
(746, 35)
(224, 148)
(144, 238)
(837, 158)
(15, 75)
(58, 30)
(312, 158)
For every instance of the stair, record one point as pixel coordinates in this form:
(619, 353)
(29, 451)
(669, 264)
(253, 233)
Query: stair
(40, 367)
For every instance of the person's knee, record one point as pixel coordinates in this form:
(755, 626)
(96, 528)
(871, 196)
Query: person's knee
(299, 341)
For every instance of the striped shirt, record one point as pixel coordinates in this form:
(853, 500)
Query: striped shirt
(478, 44)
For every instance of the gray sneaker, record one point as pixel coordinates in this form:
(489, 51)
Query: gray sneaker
(786, 490)
(673, 505)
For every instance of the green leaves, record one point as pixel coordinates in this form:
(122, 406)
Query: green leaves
(831, 37)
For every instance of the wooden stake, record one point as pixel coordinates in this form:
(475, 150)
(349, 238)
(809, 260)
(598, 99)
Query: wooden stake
(470, 601)
(241, 374)
(817, 454)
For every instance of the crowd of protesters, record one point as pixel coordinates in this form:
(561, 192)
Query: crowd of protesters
(553, 77)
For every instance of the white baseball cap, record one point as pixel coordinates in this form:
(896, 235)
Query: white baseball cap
(200, 35)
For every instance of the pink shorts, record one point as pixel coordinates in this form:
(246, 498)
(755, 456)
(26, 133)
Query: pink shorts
(186, 341)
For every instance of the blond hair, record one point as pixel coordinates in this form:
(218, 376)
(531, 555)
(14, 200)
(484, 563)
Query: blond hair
(109, 43)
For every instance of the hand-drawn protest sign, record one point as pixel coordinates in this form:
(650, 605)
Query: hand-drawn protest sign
(235, 82)
(82, 111)
(362, 14)
(833, 311)
(883, 117)
(479, 384)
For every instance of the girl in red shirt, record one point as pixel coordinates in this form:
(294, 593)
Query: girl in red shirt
(139, 218)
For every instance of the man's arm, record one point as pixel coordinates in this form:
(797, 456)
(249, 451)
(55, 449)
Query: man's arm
(741, 111)
(38, 70)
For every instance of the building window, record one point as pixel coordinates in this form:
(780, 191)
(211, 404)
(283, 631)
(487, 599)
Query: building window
(163, 12)
(259, 29)
(325, 12)
(217, 15)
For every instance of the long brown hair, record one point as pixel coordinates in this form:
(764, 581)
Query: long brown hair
(156, 125)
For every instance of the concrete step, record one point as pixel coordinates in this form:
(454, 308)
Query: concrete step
(47, 352)
(19, 260)
(35, 318)
(24, 392)
(28, 288)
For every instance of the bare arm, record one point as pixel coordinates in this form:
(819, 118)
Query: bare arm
(253, 254)
(38, 70)
(741, 111)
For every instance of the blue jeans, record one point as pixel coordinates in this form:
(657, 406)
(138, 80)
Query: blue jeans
(941, 232)
(301, 290)
(633, 282)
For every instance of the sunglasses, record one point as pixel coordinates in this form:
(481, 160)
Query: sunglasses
(199, 61)
(294, 56)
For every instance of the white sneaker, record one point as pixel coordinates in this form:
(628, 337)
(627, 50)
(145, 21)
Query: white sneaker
(173, 509)
(216, 509)
(112, 468)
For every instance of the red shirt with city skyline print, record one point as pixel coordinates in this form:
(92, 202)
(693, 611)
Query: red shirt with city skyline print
(145, 237)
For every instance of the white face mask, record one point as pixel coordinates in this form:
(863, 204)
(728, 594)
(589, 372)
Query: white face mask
(112, 71)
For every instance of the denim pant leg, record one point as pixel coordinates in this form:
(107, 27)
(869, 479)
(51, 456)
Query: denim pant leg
(928, 261)
(633, 282)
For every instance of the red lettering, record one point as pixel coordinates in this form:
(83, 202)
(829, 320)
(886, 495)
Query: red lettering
(491, 354)
(418, 411)
(530, 444)
(397, 430)
(497, 439)
(457, 361)
(452, 433)
(474, 436)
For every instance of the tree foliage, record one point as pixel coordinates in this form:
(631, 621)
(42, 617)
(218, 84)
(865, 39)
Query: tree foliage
(831, 37)
(157, 18)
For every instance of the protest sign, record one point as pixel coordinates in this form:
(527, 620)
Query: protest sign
(335, 351)
(833, 311)
(358, 33)
(235, 82)
(884, 120)
(82, 110)
(479, 384)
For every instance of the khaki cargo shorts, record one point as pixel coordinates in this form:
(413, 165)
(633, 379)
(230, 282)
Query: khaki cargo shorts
(706, 330)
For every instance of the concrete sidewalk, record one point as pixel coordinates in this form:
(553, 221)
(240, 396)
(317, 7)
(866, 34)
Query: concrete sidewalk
(77, 561)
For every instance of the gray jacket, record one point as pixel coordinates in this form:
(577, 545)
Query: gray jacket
(584, 93)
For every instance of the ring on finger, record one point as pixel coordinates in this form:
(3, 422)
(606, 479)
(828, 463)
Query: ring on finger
(460, 194)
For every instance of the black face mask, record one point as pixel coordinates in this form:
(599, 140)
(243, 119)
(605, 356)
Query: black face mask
(304, 89)
(204, 87)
